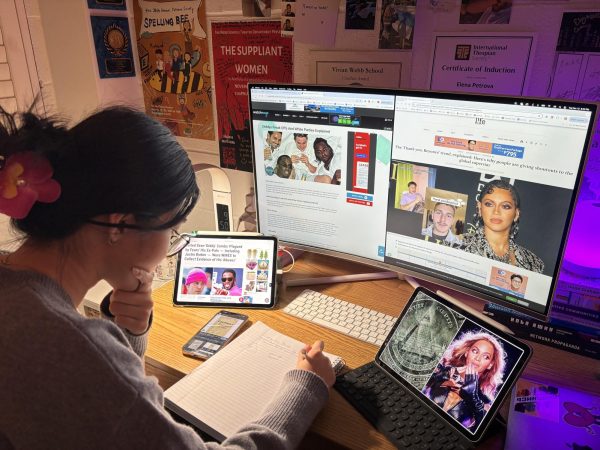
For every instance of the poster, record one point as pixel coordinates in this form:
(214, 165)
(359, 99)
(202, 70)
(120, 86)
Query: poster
(113, 46)
(487, 64)
(366, 68)
(485, 11)
(174, 61)
(579, 32)
(243, 52)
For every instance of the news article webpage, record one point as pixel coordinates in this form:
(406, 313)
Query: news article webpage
(460, 154)
(213, 270)
(306, 205)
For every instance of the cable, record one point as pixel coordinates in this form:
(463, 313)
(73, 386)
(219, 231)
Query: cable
(283, 249)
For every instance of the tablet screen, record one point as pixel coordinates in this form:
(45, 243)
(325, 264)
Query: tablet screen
(454, 362)
(227, 270)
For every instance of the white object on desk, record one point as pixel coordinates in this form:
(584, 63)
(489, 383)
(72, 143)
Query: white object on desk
(353, 320)
(221, 196)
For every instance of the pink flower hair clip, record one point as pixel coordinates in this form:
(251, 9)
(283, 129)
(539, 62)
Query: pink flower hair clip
(25, 178)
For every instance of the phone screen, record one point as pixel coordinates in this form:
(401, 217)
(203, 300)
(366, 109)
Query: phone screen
(215, 334)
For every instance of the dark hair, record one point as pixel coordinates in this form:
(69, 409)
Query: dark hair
(117, 160)
(320, 140)
(273, 131)
(501, 184)
(297, 135)
(446, 204)
(473, 141)
(231, 271)
(514, 275)
(411, 182)
(282, 157)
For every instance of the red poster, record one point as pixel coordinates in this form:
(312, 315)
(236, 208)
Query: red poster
(244, 52)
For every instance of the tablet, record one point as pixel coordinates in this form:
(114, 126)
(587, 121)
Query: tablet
(455, 363)
(223, 269)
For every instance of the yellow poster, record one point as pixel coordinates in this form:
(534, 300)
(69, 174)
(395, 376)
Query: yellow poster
(175, 68)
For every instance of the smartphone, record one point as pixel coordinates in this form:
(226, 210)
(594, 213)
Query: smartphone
(215, 334)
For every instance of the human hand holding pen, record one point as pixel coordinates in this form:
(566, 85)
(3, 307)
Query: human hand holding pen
(311, 358)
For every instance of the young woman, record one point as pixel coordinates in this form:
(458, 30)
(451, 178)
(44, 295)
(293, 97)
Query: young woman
(99, 201)
(497, 225)
(464, 383)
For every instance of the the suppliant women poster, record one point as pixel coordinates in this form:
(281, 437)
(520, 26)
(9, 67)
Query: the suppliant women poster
(175, 65)
(244, 52)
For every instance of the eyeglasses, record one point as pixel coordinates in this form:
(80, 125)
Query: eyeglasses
(178, 242)
(223, 279)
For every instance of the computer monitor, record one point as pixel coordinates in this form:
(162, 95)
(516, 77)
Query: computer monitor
(471, 192)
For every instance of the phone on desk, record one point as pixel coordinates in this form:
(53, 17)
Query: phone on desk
(215, 334)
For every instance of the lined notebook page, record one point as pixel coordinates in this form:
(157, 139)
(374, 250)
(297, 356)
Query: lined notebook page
(233, 387)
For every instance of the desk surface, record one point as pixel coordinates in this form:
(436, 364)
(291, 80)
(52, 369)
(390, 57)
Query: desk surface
(338, 422)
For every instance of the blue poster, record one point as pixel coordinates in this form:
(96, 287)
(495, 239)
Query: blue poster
(113, 46)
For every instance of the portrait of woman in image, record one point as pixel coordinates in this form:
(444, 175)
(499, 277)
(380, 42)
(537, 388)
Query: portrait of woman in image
(465, 382)
(496, 228)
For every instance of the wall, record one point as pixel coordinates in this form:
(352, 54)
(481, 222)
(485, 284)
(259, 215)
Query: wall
(78, 90)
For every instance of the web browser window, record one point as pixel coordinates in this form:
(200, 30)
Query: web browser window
(507, 239)
(322, 160)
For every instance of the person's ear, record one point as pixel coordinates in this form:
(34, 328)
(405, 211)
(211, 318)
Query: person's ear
(517, 215)
(115, 233)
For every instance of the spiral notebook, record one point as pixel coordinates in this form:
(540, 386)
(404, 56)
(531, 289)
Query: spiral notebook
(234, 386)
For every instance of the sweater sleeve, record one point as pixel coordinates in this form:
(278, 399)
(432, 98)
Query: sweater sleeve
(287, 418)
(138, 342)
(283, 424)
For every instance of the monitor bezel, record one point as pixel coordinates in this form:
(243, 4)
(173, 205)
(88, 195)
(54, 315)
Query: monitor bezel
(403, 268)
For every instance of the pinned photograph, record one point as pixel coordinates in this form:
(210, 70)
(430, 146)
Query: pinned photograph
(485, 11)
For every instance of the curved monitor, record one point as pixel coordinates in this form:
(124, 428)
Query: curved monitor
(468, 191)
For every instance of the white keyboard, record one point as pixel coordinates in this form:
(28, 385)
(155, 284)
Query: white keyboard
(348, 318)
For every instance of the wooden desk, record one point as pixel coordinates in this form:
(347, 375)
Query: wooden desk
(338, 422)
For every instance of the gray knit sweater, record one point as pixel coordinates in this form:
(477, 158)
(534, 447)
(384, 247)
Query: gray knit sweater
(69, 382)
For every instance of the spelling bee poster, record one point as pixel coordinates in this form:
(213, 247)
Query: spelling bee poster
(174, 62)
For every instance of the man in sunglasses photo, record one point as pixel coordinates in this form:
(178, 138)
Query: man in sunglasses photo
(228, 287)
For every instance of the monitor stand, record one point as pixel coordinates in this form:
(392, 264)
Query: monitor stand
(383, 276)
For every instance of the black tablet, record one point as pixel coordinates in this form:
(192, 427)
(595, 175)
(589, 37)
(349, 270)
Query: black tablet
(231, 270)
(457, 364)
